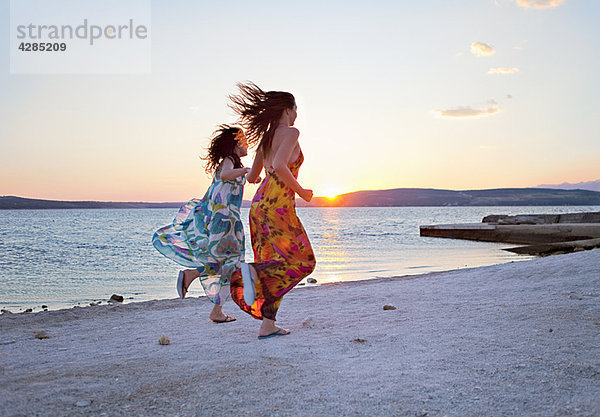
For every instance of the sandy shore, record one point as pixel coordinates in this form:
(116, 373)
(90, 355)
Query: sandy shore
(518, 339)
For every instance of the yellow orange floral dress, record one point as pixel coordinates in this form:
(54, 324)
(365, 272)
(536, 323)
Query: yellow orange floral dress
(283, 255)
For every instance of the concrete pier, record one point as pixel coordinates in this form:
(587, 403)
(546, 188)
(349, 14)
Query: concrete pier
(523, 234)
(567, 232)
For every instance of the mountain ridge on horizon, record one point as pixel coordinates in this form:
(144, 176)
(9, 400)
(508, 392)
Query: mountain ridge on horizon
(585, 185)
(419, 197)
(395, 197)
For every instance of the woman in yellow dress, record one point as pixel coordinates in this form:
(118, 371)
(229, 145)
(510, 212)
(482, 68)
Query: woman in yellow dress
(283, 255)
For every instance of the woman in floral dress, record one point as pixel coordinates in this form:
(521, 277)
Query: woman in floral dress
(207, 235)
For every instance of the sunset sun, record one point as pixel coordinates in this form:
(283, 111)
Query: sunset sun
(330, 192)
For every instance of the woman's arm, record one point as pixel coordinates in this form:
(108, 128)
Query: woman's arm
(257, 166)
(229, 173)
(280, 163)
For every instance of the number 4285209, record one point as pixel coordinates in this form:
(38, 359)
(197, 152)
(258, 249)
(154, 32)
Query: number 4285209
(43, 46)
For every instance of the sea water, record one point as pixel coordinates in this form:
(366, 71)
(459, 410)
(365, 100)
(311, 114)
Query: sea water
(62, 258)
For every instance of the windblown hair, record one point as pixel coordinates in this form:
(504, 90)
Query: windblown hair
(222, 145)
(259, 112)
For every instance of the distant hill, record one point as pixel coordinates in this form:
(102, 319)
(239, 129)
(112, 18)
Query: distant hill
(587, 185)
(398, 197)
(430, 197)
(12, 202)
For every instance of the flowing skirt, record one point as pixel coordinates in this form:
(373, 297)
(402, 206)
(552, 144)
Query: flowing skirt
(283, 255)
(207, 235)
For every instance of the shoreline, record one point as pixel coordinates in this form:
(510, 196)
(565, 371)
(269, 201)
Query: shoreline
(510, 339)
(161, 303)
(199, 293)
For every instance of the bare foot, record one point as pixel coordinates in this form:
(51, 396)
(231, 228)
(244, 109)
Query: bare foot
(268, 327)
(217, 315)
(279, 331)
(225, 319)
(189, 275)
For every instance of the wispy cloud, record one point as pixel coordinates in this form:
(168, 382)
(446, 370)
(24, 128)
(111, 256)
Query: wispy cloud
(539, 4)
(489, 109)
(520, 46)
(503, 71)
(482, 49)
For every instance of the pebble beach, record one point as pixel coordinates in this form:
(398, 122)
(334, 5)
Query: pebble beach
(513, 339)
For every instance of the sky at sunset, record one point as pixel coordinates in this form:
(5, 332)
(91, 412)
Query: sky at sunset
(466, 94)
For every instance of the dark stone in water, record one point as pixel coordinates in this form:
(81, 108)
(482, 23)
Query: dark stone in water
(389, 307)
(29, 310)
(44, 306)
(117, 298)
(311, 281)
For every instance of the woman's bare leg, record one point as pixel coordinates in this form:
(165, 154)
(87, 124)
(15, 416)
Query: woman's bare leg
(217, 314)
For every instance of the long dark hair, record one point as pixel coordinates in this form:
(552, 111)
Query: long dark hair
(260, 112)
(222, 145)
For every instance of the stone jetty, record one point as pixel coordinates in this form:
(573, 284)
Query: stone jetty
(543, 234)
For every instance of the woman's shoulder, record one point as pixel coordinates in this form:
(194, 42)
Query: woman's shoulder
(231, 159)
(225, 163)
(287, 132)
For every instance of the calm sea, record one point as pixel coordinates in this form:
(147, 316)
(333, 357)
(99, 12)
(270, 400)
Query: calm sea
(63, 258)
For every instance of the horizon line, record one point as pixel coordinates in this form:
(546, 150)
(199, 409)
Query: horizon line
(539, 187)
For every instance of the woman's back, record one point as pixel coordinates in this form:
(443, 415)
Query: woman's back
(282, 134)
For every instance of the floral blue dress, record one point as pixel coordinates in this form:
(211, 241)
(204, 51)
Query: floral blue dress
(208, 234)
